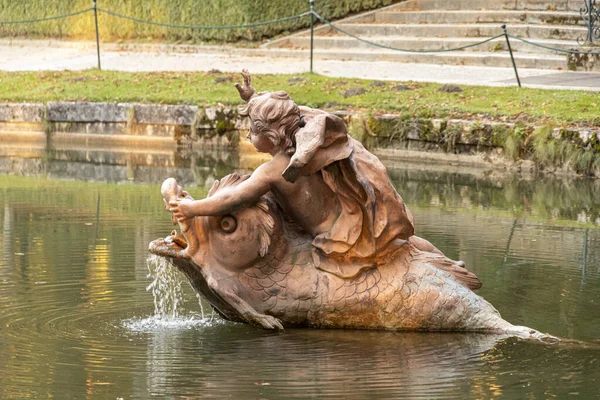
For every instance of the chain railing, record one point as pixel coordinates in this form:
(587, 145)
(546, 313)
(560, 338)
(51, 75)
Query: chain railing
(382, 46)
(205, 27)
(95, 9)
(590, 13)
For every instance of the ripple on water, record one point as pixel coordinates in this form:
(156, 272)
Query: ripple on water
(76, 320)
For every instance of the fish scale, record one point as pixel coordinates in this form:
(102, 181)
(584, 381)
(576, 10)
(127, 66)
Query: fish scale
(411, 290)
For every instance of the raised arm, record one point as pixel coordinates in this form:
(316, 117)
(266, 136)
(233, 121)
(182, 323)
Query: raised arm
(227, 199)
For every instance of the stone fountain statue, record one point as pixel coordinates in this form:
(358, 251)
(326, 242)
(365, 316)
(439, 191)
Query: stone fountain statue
(317, 237)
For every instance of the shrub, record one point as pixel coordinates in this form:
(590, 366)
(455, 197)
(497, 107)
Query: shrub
(177, 12)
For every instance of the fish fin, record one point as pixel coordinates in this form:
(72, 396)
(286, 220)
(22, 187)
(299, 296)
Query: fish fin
(461, 274)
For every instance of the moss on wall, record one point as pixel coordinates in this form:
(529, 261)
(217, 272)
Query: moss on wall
(548, 147)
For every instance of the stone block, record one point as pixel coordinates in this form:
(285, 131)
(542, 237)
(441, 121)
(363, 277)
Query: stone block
(439, 125)
(211, 113)
(88, 112)
(414, 132)
(164, 114)
(26, 112)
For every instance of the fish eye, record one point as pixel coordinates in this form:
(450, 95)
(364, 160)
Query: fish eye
(228, 224)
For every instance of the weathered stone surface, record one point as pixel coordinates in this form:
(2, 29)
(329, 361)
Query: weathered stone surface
(21, 127)
(219, 120)
(582, 136)
(164, 114)
(439, 124)
(211, 113)
(477, 134)
(88, 112)
(179, 123)
(584, 62)
(221, 126)
(156, 130)
(25, 112)
(96, 128)
(122, 112)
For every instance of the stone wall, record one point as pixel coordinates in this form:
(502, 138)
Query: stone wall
(122, 123)
(511, 146)
(476, 143)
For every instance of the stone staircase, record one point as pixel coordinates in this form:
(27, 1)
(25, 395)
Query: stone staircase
(447, 24)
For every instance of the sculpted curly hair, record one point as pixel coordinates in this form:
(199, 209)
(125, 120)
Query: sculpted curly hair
(275, 115)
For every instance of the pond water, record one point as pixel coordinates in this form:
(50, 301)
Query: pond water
(78, 316)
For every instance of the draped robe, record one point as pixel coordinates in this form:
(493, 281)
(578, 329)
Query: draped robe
(374, 219)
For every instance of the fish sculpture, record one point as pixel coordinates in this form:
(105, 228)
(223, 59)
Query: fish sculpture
(255, 265)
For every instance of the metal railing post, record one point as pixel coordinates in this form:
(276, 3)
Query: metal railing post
(590, 25)
(97, 34)
(312, 31)
(512, 57)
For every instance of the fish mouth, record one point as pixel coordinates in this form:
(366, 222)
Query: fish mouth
(173, 246)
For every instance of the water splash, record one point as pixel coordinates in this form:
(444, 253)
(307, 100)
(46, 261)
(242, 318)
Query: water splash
(154, 324)
(166, 287)
(168, 293)
(210, 317)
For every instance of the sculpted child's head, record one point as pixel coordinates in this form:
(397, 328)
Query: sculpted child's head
(273, 116)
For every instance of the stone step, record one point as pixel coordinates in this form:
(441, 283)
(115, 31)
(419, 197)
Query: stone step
(413, 43)
(473, 17)
(555, 32)
(486, 59)
(446, 24)
(544, 5)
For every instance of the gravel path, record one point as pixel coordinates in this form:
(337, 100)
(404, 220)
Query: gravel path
(55, 55)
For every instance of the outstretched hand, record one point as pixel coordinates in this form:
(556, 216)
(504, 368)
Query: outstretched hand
(246, 91)
(181, 209)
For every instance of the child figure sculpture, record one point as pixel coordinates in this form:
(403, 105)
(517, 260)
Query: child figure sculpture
(326, 182)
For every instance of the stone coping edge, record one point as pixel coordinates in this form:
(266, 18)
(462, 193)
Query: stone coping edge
(434, 140)
(87, 112)
(188, 115)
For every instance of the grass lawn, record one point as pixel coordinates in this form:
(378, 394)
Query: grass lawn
(558, 107)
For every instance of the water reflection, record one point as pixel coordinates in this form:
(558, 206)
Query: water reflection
(119, 164)
(318, 364)
(76, 319)
(542, 198)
